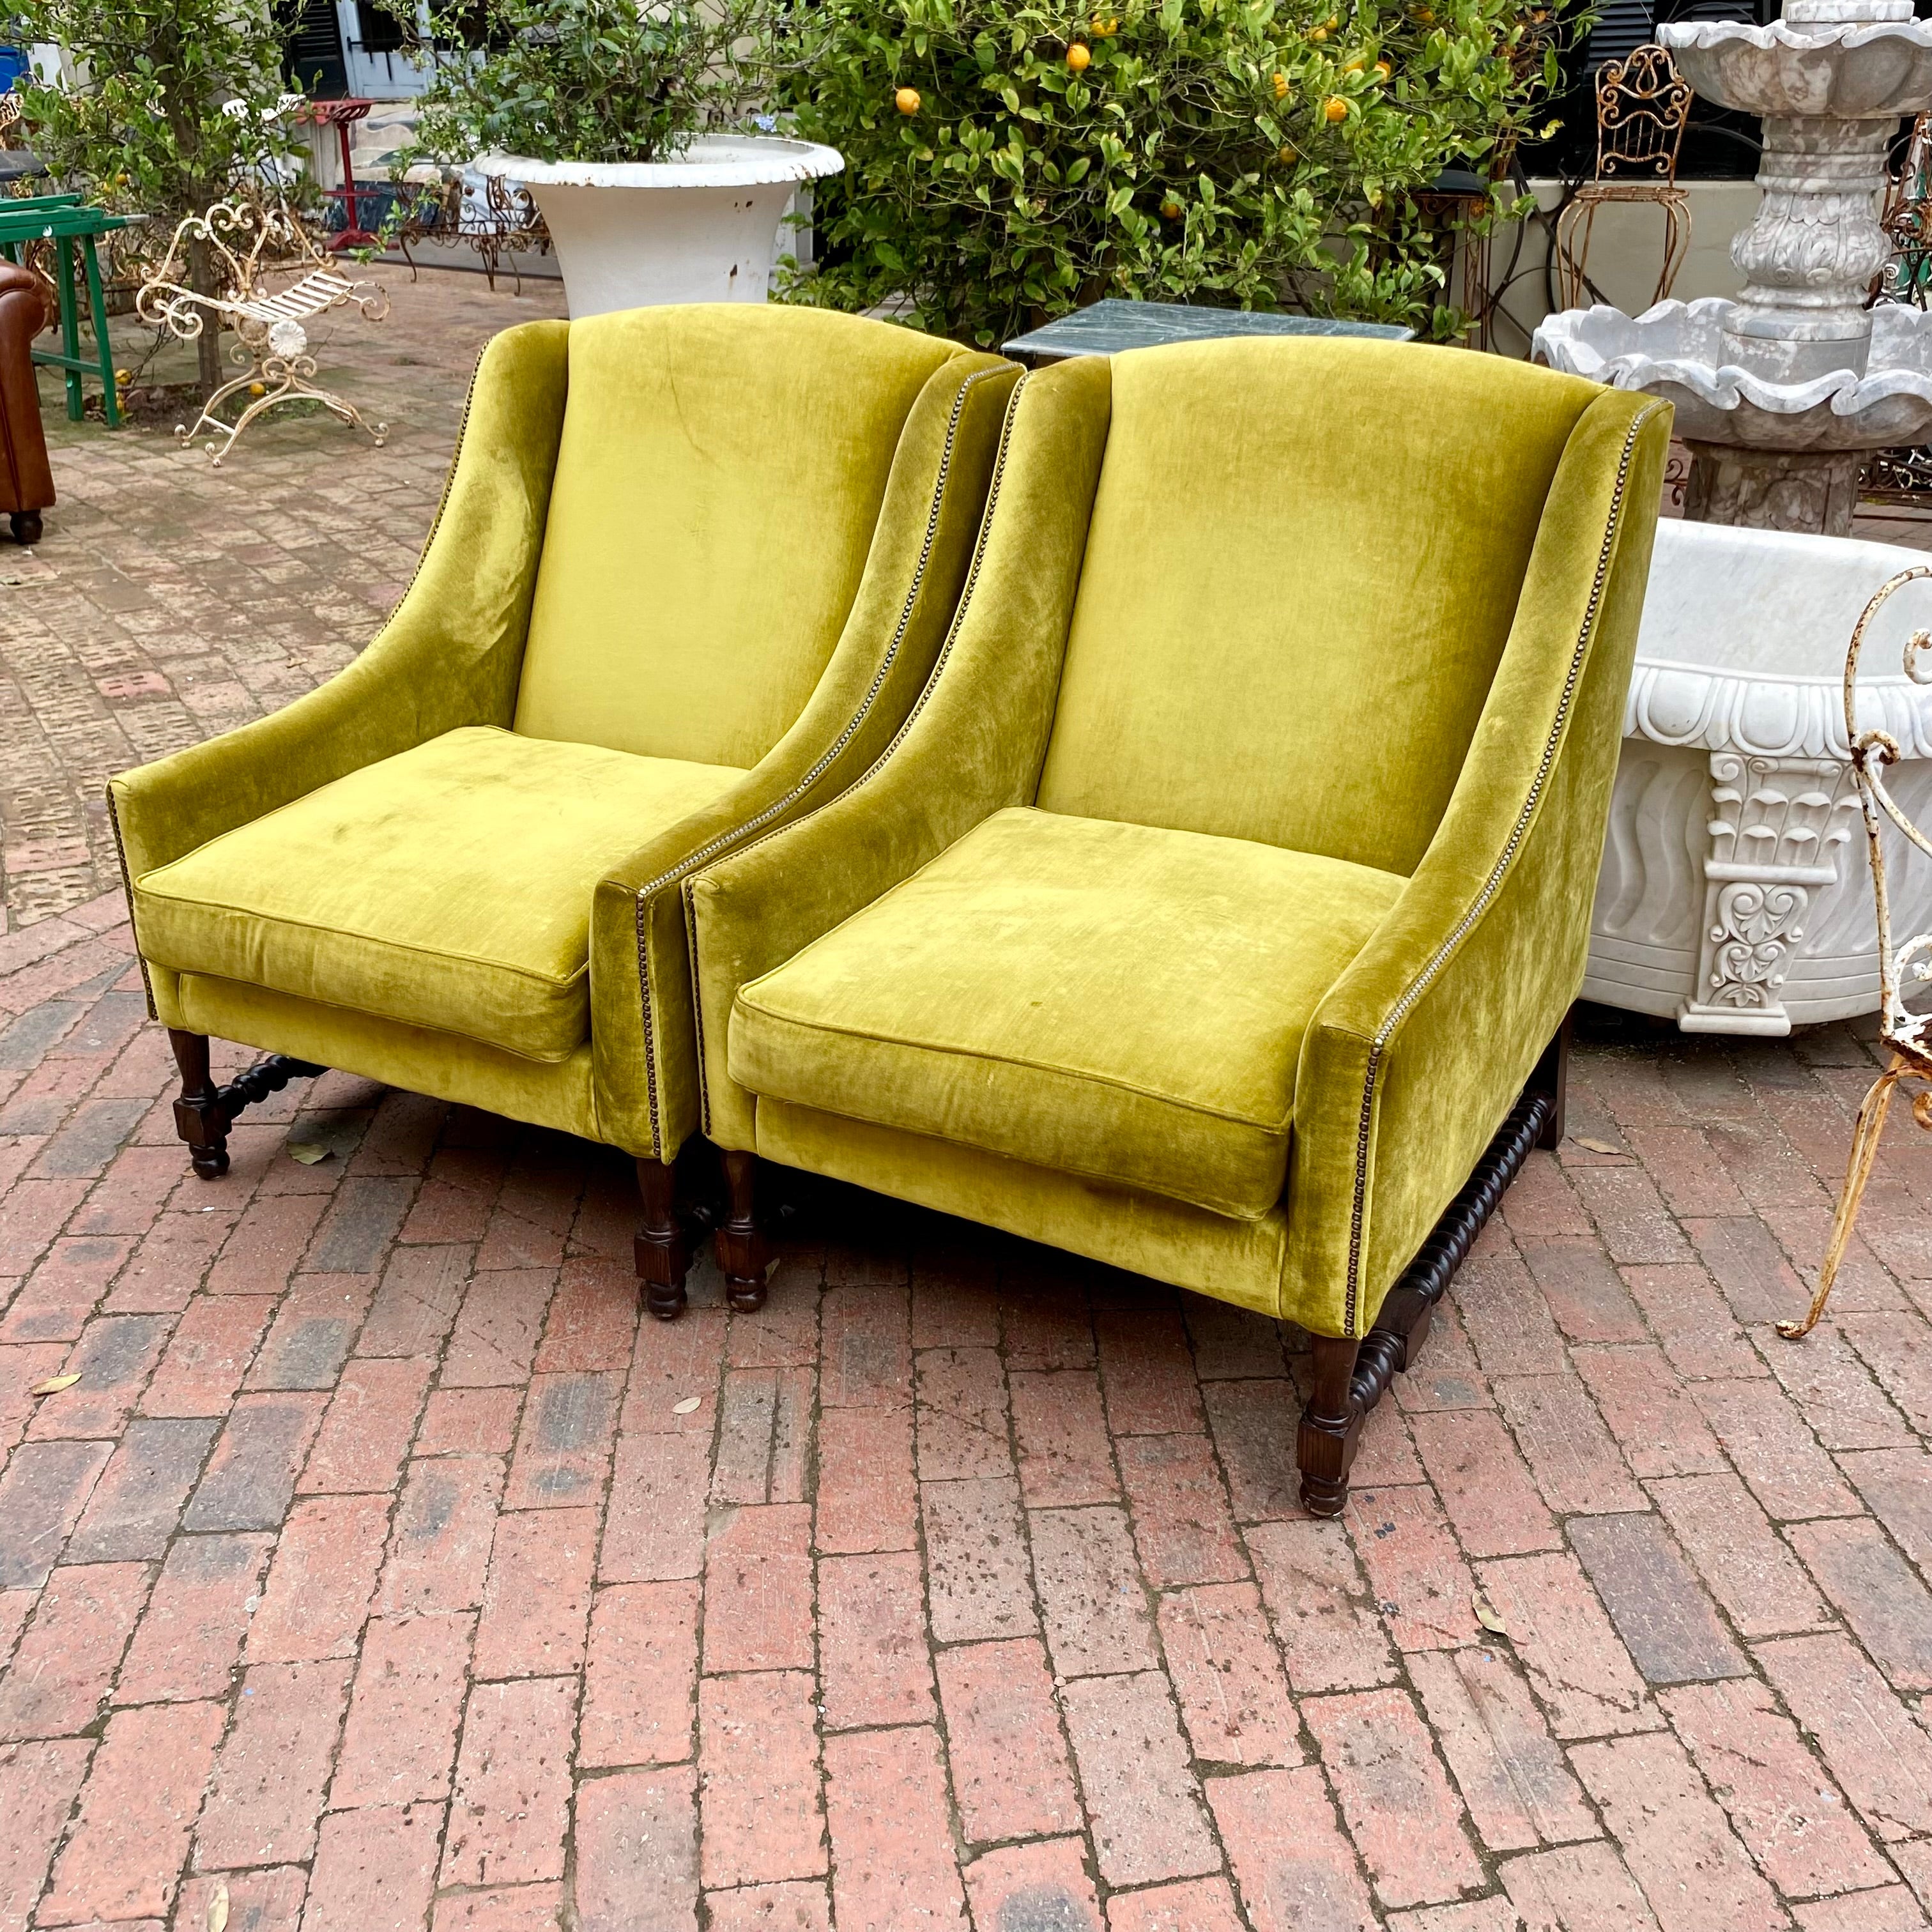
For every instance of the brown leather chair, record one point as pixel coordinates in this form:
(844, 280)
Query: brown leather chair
(26, 483)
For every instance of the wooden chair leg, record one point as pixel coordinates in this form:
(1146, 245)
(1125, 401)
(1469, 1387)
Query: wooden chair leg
(1865, 1138)
(742, 1251)
(200, 1119)
(1551, 1076)
(204, 1112)
(661, 1250)
(1331, 1426)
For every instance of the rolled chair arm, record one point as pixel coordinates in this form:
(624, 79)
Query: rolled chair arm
(973, 744)
(448, 656)
(922, 544)
(1422, 1046)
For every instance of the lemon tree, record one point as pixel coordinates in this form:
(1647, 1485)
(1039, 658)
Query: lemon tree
(1007, 161)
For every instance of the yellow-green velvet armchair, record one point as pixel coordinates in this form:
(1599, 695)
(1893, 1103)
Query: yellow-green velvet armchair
(1229, 883)
(691, 567)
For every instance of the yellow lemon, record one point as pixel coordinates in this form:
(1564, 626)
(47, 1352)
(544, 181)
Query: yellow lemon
(906, 100)
(1287, 156)
(1104, 30)
(258, 388)
(1318, 33)
(1077, 58)
(1382, 70)
(1354, 67)
(1335, 108)
(1170, 211)
(124, 376)
(1280, 84)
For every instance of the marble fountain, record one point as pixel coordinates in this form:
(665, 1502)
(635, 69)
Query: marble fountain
(1734, 896)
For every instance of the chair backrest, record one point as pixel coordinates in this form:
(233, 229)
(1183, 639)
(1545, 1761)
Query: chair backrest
(1643, 106)
(1302, 565)
(719, 480)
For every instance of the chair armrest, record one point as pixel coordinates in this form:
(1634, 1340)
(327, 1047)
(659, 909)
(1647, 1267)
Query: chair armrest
(448, 656)
(1421, 1047)
(922, 544)
(973, 744)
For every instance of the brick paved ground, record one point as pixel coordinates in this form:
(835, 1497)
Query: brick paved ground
(376, 1570)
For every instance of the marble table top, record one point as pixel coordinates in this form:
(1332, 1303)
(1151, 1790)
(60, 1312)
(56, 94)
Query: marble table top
(1108, 327)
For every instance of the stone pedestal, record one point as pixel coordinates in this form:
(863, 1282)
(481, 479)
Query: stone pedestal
(1813, 494)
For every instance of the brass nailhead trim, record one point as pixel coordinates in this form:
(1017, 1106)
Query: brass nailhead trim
(718, 845)
(1491, 885)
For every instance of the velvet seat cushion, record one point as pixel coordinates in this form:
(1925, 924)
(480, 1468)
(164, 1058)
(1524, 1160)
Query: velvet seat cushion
(449, 886)
(1124, 1002)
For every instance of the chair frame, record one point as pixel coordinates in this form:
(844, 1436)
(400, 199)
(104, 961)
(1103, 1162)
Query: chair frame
(255, 243)
(1643, 107)
(1902, 1032)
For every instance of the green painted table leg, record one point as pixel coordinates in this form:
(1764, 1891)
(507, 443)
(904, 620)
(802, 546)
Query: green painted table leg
(110, 399)
(70, 324)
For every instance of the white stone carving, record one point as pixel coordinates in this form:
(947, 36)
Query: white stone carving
(1725, 901)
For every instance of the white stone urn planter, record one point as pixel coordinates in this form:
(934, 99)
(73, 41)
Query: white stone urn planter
(1734, 895)
(700, 228)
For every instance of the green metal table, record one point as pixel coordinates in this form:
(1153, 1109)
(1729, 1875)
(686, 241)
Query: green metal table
(63, 220)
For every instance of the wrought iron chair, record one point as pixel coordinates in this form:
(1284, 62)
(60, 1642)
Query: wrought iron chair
(275, 281)
(1901, 1032)
(1643, 106)
(506, 222)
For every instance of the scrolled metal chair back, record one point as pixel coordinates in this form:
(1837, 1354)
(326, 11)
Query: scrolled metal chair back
(250, 240)
(1643, 107)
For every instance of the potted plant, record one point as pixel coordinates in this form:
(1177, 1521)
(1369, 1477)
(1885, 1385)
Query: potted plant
(614, 114)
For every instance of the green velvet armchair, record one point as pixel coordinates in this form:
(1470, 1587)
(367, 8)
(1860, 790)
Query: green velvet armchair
(1217, 911)
(690, 568)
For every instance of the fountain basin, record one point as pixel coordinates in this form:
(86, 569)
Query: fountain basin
(1676, 349)
(1838, 70)
(1734, 895)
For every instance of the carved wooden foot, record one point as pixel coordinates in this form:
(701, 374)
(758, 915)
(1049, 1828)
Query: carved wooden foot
(1352, 1377)
(1331, 1426)
(204, 1112)
(741, 1250)
(662, 1248)
(26, 526)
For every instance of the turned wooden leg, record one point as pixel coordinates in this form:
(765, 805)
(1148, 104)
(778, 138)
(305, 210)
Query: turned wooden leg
(1331, 1425)
(200, 1118)
(662, 1251)
(1551, 1078)
(741, 1246)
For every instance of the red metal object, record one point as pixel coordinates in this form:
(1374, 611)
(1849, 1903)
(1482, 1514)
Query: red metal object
(341, 115)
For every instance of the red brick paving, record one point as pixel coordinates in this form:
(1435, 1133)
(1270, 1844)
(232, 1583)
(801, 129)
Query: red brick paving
(370, 1574)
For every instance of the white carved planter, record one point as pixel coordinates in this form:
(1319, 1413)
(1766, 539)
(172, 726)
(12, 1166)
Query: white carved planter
(703, 227)
(1734, 895)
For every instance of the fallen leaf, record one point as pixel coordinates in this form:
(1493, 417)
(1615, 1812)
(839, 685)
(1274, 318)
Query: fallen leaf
(1486, 1615)
(308, 1152)
(217, 1910)
(54, 1384)
(690, 1405)
(771, 1268)
(1595, 1146)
